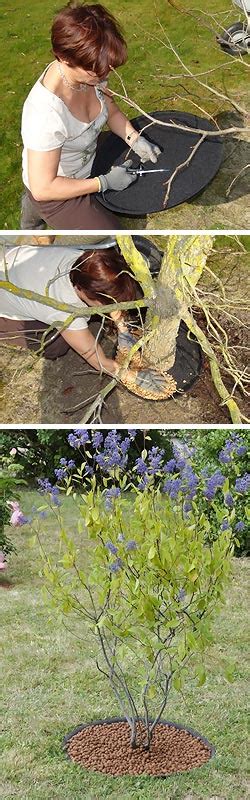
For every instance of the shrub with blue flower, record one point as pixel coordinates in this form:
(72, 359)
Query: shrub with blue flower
(149, 573)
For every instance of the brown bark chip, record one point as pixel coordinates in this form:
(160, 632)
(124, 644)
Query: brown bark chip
(105, 747)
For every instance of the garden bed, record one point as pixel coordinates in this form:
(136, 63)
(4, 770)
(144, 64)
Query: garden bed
(104, 746)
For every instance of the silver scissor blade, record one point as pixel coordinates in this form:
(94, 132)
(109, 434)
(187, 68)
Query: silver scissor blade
(145, 171)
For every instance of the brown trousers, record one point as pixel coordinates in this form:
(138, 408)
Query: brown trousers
(79, 213)
(28, 334)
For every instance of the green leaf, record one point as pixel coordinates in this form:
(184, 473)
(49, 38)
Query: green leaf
(151, 552)
(151, 692)
(201, 675)
(193, 576)
(177, 682)
(67, 561)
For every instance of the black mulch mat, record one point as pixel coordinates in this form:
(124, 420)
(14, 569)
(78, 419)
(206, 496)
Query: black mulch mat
(188, 362)
(147, 194)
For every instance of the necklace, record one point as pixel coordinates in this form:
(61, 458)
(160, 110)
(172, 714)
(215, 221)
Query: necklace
(83, 86)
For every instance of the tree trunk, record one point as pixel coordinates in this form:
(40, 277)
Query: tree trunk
(182, 266)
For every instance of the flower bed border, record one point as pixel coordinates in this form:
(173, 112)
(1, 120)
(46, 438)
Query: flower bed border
(110, 720)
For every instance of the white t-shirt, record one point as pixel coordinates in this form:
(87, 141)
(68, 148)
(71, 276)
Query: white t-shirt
(47, 124)
(31, 267)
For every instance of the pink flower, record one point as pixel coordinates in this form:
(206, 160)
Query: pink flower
(13, 451)
(14, 505)
(3, 563)
(17, 517)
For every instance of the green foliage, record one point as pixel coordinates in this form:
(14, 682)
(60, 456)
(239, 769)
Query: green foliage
(208, 446)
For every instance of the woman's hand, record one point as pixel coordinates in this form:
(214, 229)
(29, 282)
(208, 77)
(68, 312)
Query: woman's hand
(145, 150)
(118, 178)
(117, 317)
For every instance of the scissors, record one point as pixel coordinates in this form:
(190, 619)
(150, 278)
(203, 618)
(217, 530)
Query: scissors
(141, 171)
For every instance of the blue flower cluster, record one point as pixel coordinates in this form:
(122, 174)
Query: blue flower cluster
(213, 483)
(187, 482)
(69, 464)
(242, 485)
(172, 487)
(155, 459)
(131, 545)
(225, 525)
(170, 466)
(116, 565)
(190, 481)
(228, 500)
(78, 438)
(240, 526)
(115, 452)
(233, 447)
(97, 439)
(149, 467)
(110, 495)
(62, 471)
(141, 466)
(45, 487)
(111, 548)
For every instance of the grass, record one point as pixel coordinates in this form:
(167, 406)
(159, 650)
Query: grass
(50, 685)
(25, 50)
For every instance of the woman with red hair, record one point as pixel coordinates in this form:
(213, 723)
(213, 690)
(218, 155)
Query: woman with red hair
(62, 118)
(76, 280)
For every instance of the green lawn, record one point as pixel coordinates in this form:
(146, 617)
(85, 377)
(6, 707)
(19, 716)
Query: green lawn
(25, 50)
(50, 685)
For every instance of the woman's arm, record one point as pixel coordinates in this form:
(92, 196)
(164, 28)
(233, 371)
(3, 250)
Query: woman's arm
(84, 343)
(118, 122)
(46, 185)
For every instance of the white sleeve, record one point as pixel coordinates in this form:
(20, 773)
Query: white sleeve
(79, 324)
(42, 131)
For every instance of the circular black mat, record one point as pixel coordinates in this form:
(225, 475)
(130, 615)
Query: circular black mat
(147, 194)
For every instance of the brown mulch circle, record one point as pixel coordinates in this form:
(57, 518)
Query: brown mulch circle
(104, 746)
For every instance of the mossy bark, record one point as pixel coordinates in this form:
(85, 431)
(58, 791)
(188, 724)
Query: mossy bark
(182, 266)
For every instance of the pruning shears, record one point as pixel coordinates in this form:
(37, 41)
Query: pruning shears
(140, 171)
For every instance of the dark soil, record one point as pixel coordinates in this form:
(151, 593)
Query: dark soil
(106, 748)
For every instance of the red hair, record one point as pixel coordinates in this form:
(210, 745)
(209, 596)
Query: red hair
(88, 36)
(104, 275)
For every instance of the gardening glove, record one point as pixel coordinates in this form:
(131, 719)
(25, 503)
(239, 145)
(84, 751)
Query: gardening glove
(148, 383)
(126, 340)
(145, 150)
(150, 380)
(118, 178)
